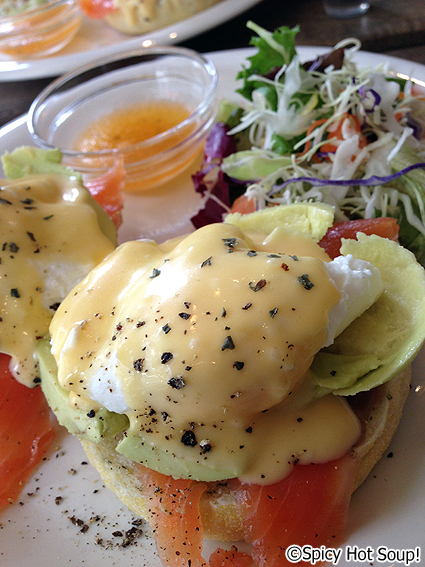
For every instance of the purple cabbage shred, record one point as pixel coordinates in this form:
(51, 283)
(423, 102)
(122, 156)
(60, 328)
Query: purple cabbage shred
(374, 180)
(210, 181)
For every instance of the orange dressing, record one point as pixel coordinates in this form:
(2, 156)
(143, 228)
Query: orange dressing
(134, 125)
(50, 34)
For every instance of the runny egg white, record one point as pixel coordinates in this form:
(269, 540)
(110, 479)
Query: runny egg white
(360, 285)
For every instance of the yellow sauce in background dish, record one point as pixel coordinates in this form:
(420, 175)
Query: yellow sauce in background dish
(41, 30)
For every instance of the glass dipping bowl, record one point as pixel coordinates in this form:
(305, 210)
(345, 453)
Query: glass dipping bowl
(115, 86)
(40, 31)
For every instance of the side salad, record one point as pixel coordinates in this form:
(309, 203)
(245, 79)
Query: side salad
(318, 131)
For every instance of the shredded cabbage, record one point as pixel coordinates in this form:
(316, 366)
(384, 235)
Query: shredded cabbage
(330, 131)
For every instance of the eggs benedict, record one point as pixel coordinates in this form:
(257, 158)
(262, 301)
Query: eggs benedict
(236, 354)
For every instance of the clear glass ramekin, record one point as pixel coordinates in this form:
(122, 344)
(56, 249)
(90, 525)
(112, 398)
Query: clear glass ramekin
(112, 84)
(40, 31)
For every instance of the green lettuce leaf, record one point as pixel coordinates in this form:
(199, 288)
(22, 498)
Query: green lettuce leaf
(411, 184)
(275, 49)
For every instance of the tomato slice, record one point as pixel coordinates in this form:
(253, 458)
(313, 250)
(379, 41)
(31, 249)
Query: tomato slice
(386, 227)
(26, 432)
(97, 9)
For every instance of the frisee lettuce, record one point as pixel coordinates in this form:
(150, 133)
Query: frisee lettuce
(275, 49)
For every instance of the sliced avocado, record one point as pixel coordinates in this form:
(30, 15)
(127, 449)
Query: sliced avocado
(27, 160)
(309, 218)
(93, 425)
(134, 448)
(386, 337)
(335, 371)
(106, 424)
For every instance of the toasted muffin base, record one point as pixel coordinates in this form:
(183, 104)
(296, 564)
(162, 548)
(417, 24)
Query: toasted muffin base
(380, 412)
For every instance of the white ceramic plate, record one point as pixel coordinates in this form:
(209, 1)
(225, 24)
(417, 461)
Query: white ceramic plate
(96, 39)
(42, 529)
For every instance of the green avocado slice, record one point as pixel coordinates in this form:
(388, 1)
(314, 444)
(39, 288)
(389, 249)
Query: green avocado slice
(27, 160)
(97, 425)
(383, 340)
(92, 425)
(137, 449)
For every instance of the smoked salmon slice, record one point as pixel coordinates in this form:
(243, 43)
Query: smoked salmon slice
(26, 432)
(175, 519)
(107, 191)
(233, 558)
(174, 516)
(309, 507)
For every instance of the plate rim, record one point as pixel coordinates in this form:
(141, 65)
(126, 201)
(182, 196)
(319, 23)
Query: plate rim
(57, 64)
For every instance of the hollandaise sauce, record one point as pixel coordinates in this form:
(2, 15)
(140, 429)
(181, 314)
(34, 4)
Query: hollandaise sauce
(52, 233)
(205, 344)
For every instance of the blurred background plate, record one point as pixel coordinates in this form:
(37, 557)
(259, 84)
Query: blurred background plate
(96, 39)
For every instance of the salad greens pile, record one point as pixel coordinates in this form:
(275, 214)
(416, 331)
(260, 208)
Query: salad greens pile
(320, 131)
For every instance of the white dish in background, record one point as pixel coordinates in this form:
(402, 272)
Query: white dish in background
(96, 39)
(387, 510)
